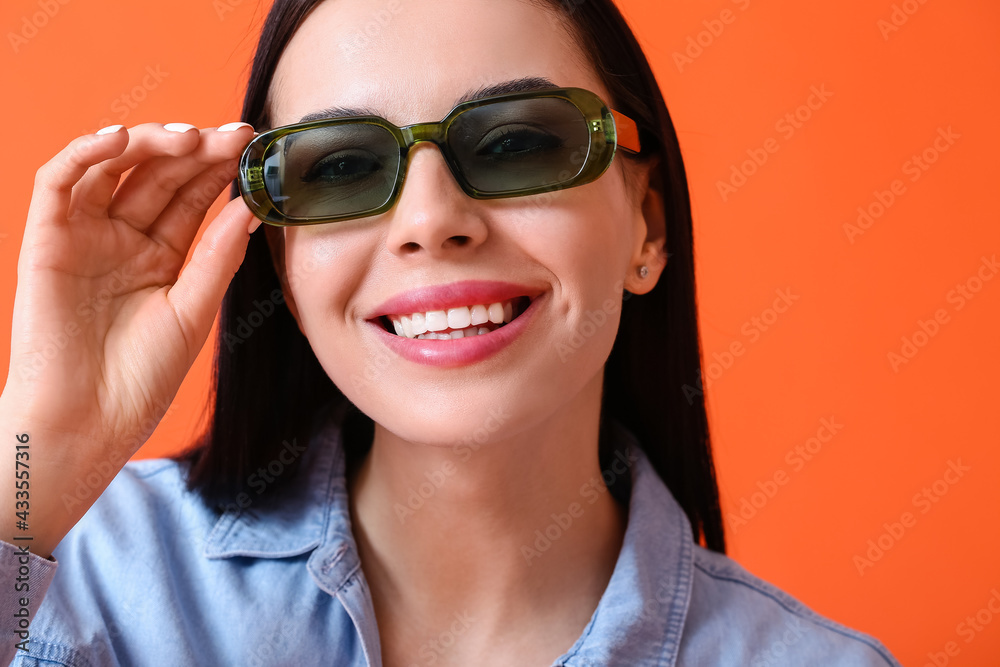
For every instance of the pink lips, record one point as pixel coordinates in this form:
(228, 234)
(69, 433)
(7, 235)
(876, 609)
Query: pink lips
(460, 351)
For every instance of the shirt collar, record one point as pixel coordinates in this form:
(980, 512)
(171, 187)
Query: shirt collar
(305, 515)
(638, 620)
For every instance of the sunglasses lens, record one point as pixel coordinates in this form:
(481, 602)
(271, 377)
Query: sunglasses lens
(331, 171)
(505, 147)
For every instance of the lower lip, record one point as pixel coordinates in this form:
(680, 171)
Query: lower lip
(457, 351)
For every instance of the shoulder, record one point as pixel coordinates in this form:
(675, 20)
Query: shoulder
(137, 546)
(146, 497)
(135, 480)
(734, 617)
(146, 515)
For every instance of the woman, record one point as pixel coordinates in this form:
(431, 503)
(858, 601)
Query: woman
(368, 492)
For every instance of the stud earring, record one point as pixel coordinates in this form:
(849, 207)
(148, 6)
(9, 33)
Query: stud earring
(643, 272)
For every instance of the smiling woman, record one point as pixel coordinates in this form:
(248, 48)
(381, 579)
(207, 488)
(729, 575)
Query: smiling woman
(403, 465)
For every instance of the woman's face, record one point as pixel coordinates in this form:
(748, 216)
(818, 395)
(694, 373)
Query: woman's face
(570, 251)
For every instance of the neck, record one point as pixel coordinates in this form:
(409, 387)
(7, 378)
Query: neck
(502, 534)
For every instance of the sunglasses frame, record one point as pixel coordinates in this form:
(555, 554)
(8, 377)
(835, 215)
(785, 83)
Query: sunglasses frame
(608, 128)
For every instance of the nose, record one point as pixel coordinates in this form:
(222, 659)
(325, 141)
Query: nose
(433, 214)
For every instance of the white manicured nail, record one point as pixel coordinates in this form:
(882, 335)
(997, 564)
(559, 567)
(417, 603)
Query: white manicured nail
(230, 127)
(109, 129)
(178, 127)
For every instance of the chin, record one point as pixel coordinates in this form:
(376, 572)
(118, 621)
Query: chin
(446, 429)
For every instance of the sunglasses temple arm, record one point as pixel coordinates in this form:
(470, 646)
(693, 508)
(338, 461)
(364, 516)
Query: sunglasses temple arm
(626, 132)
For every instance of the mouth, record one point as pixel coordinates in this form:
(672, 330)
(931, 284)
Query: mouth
(457, 322)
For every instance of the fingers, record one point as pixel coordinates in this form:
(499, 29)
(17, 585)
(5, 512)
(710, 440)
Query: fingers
(94, 192)
(200, 287)
(154, 183)
(55, 180)
(178, 223)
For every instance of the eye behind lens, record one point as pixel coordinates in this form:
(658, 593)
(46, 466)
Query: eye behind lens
(333, 171)
(516, 141)
(512, 146)
(343, 167)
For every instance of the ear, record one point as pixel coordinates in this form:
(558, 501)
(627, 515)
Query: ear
(649, 224)
(276, 244)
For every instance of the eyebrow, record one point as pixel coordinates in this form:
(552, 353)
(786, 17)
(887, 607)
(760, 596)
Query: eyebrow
(521, 85)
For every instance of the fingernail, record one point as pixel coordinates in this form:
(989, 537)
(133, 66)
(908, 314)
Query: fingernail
(230, 127)
(178, 127)
(254, 225)
(109, 129)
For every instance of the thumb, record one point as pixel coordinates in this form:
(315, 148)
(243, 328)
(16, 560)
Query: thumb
(199, 289)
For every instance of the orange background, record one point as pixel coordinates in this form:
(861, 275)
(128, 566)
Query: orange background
(781, 229)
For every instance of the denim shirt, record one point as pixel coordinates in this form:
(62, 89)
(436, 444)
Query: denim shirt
(152, 576)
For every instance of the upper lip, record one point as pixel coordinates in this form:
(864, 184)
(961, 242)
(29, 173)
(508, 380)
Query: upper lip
(452, 295)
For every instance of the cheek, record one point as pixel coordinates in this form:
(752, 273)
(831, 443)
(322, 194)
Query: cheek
(598, 260)
(300, 272)
(322, 269)
(584, 236)
(334, 267)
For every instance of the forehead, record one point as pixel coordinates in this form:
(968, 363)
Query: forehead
(412, 60)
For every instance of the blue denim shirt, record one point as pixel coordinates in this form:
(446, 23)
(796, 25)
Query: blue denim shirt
(151, 576)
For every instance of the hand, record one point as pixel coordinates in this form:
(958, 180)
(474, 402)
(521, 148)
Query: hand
(105, 324)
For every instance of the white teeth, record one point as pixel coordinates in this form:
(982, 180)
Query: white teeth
(458, 333)
(436, 320)
(461, 321)
(459, 318)
(479, 315)
(418, 324)
(433, 336)
(496, 313)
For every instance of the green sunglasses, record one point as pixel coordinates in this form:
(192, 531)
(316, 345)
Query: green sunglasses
(501, 146)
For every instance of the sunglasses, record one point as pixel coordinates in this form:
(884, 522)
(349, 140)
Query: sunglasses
(510, 145)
